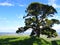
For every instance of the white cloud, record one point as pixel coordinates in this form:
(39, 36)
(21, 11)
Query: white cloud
(57, 28)
(21, 5)
(6, 4)
(56, 6)
(53, 3)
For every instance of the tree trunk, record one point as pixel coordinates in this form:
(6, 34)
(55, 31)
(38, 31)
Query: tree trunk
(37, 27)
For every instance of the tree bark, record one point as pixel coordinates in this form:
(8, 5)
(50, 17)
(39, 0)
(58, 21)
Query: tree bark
(37, 27)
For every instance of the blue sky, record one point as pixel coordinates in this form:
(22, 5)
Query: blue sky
(12, 12)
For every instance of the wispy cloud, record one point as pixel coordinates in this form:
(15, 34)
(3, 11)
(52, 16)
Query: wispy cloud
(56, 6)
(53, 3)
(3, 19)
(6, 4)
(21, 5)
(20, 16)
(8, 29)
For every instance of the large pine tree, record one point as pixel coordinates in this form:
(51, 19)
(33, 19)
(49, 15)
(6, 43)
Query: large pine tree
(37, 19)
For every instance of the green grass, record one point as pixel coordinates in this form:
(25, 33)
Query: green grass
(26, 40)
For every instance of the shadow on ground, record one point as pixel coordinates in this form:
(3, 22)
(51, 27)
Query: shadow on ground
(29, 41)
(55, 42)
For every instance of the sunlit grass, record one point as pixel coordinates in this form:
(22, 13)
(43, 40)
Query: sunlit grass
(26, 40)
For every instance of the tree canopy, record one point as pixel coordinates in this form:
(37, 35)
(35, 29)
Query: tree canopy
(37, 19)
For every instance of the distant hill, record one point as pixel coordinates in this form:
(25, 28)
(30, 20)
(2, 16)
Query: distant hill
(14, 33)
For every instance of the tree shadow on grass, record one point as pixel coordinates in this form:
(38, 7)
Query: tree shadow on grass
(6, 40)
(28, 41)
(55, 42)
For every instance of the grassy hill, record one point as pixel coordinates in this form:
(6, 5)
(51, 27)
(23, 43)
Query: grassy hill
(26, 40)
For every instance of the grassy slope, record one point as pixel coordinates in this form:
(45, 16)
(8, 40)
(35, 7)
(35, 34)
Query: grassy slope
(26, 40)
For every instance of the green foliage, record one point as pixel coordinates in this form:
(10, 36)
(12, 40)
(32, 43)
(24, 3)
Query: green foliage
(49, 32)
(38, 20)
